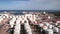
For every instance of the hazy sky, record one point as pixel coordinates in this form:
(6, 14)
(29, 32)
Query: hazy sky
(29, 4)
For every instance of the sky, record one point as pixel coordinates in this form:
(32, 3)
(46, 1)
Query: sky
(29, 4)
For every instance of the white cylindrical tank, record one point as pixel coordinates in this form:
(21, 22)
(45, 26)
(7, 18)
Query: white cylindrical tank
(17, 27)
(50, 31)
(1, 19)
(12, 22)
(27, 27)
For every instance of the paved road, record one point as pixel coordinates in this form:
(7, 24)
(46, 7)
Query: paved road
(4, 28)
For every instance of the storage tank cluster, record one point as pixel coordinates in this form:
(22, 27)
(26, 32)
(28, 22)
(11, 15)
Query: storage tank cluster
(17, 20)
